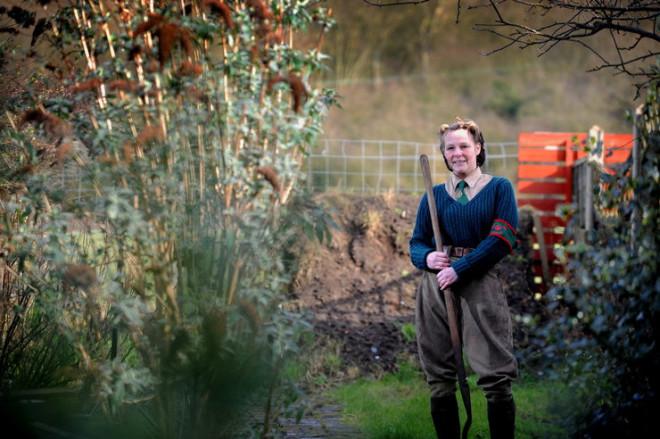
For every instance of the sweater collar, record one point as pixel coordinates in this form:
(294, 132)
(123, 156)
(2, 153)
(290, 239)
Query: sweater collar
(471, 179)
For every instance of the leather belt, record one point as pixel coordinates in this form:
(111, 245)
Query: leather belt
(456, 252)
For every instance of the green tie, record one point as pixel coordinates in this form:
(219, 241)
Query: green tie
(462, 196)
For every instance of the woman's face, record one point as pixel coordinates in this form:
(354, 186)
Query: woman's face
(461, 152)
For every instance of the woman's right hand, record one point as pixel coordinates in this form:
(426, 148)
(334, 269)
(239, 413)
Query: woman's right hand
(437, 260)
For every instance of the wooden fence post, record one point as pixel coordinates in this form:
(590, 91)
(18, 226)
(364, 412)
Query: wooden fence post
(540, 238)
(636, 171)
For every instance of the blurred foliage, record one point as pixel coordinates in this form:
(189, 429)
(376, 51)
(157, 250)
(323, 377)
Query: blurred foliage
(149, 207)
(604, 333)
(409, 332)
(403, 71)
(505, 101)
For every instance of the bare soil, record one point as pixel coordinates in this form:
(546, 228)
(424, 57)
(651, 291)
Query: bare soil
(360, 289)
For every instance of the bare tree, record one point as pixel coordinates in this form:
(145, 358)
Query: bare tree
(632, 28)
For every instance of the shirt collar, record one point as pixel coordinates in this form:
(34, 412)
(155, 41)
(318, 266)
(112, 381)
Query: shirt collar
(471, 179)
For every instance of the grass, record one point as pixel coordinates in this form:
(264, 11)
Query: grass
(397, 406)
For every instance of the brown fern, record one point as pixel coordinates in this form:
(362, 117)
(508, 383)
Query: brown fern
(220, 7)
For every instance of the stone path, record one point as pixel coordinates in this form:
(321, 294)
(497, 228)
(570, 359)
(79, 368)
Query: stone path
(323, 421)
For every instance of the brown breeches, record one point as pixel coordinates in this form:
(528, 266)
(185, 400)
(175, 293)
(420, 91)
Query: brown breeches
(486, 333)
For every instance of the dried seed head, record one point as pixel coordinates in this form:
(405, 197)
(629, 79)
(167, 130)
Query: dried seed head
(123, 85)
(197, 94)
(23, 170)
(274, 80)
(260, 10)
(190, 69)
(152, 22)
(150, 133)
(134, 52)
(52, 124)
(186, 40)
(168, 35)
(78, 276)
(270, 175)
(297, 86)
(128, 150)
(220, 7)
(254, 52)
(152, 66)
(298, 90)
(63, 151)
(251, 314)
(36, 115)
(6, 249)
(91, 84)
(274, 37)
(106, 159)
(125, 14)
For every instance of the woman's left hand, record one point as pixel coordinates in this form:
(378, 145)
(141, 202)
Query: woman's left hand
(446, 277)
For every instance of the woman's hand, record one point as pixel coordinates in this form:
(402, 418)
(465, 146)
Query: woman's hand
(437, 260)
(446, 277)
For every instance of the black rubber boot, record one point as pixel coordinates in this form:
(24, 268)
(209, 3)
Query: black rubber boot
(502, 419)
(444, 412)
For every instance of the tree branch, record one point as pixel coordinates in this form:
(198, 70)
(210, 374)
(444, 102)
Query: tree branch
(585, 20)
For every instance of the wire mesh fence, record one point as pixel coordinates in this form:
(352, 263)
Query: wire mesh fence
(375, 166)
(358, 166)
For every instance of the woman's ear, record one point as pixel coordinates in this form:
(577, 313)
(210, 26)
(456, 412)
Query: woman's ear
(477, 147)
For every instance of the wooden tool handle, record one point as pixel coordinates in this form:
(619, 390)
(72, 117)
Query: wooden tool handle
(428, 183)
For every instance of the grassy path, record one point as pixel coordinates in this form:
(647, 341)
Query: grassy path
(397, 406)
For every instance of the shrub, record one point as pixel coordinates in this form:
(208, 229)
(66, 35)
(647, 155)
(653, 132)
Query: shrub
(607, 312)
(163, 197)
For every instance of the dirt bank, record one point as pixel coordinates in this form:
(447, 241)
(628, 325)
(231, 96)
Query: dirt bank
(360, 290)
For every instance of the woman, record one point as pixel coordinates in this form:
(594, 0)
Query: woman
(478, 218)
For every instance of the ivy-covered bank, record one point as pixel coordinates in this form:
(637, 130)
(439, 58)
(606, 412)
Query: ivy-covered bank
(150, 209)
